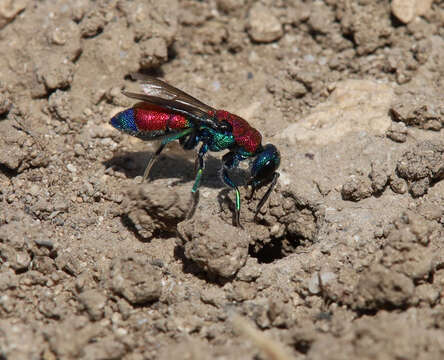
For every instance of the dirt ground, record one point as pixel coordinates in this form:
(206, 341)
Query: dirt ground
(345, 261)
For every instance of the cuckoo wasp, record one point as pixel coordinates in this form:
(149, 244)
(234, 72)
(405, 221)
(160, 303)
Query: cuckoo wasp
(166, 113)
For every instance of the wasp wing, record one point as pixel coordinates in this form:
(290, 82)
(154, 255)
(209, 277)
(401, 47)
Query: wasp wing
(160, 93)
(180, 108)
(155, 87)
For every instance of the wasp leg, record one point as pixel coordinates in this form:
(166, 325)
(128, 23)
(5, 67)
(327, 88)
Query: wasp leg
(164, 142)
(152, 160)
(200, 167)
(227, 180)
(191, 141)
(230, 161)
(267, 194)
(253, 190)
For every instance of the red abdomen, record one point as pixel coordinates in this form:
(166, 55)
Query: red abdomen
(244, 134)
(150, 119)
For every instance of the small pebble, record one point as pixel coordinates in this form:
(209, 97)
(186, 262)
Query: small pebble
(263, 26)
(34, 189)
(71, 168)
(313, 284)
(407, 10)
(404, 10)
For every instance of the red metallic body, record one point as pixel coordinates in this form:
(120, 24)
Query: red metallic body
(244, 134)
(153, 120)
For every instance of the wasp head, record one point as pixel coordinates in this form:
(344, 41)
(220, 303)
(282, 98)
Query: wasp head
(264, 166)
(263, 171)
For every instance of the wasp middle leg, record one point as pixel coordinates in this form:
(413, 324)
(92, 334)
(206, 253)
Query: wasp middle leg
(230, 161)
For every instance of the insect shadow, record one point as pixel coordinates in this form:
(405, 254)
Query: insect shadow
(133, 164)
(170, 166)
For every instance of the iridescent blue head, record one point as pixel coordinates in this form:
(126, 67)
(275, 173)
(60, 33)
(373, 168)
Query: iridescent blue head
(125, 121)
(264, 166)
(263, 171)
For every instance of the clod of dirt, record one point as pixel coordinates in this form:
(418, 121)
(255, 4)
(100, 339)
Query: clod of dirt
(354, 105)
(5, 102)
(110, 347)
(14, 247)
(9, 9)
(250, 272)
(368, 24)
(20, 341)
(407, 10)
(421, 166)
(136, 279)
(153, 52)
(397, 132)
(69, 263)
(414, 108)
(60, 105)
(147, 19)
(413, 247)
(212, 35)
(43, 264)
(387, 335)
(228, 6)
(398, 185)
(156, 207)
(381, 287)
(357, 188)
(17, 260)
(410, 255)
(240, 291)
(8, 280)
(217, 247)
(20, 150)
(379, 176)
(93, 23)
(53, 72)
(68, 339)
(262, 25)
(12, 141)
(93, 301)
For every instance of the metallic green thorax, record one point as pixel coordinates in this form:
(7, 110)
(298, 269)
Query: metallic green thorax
(220, 141)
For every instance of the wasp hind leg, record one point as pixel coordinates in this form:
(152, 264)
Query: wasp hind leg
(164, 142)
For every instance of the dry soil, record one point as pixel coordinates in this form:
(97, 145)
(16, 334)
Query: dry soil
(345, 261)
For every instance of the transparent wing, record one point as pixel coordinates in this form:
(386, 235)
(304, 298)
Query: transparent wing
(185, 110)
(160, 93)
(152, 86)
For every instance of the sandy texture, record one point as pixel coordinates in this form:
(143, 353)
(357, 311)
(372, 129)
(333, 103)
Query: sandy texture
(346, 259)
